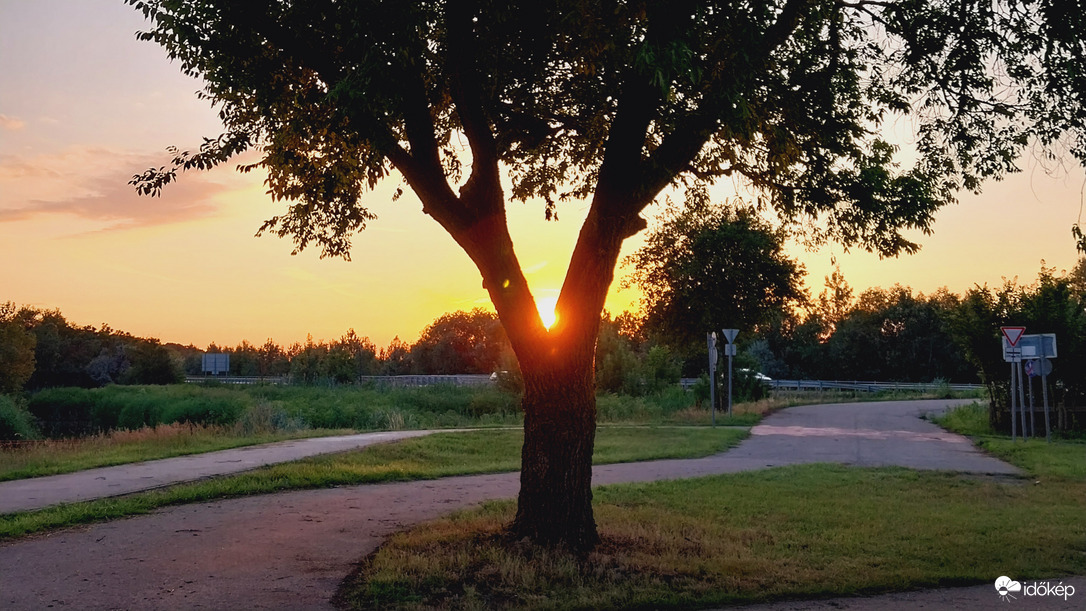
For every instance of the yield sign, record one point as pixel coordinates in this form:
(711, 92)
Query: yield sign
(1013, 334)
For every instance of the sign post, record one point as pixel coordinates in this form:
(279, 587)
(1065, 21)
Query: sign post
(729, 334)
(710, 337)
(1013, 355)
(1037, 349)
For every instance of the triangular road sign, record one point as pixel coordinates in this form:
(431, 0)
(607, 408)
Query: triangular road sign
(1013, 334)
(729, 334)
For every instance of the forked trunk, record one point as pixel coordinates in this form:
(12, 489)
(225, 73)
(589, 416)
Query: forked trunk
(555, 502)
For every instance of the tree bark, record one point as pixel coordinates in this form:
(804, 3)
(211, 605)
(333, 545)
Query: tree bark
(555, 502)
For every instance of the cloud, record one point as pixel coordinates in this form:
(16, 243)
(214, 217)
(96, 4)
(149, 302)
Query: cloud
(10, 123)
(92, 184)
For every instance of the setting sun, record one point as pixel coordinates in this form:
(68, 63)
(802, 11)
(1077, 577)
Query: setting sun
(546, 306)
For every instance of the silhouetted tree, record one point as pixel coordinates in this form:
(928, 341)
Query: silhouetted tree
(396, 358)
(460, 342)
(707, 268)
(16, 350)
(616, 101)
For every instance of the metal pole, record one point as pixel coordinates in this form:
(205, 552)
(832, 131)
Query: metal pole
(1031, 420)
(1022, 402)
(1014, 397)
(1044, 395)
(730, 350)
(712, 374)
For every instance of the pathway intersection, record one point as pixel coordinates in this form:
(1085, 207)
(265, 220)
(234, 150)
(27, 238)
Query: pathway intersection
(291, 550)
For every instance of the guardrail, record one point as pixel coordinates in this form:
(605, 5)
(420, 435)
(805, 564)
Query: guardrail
(860, 386)
(481, 379)
(238, 379)
(394, 381)
(853, 385)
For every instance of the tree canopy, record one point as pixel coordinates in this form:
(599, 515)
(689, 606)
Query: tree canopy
(789, 95)
(709, 267)
(614, 101)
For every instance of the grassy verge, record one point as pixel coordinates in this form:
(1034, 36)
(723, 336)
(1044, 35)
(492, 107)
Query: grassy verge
(53, 456)
(1064, 459)
(438, 455)
(797, 532)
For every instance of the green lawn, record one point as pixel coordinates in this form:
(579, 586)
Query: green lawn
(787, 533)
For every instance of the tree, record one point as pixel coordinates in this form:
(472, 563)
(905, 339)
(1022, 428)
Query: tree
(396, 358)
(891, 334)
(615, 101)
(16, 350)
(460, 342)
(359, 353)
(707, 268)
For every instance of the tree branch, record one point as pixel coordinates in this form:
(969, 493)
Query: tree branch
(466, 92)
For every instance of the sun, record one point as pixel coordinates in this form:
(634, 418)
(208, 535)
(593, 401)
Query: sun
(546, 306)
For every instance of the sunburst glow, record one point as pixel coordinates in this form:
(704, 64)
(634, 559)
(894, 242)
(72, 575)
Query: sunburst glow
(546, 306)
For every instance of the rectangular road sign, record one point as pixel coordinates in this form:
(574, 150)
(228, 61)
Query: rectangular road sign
(1038, 345)
(1011, 354)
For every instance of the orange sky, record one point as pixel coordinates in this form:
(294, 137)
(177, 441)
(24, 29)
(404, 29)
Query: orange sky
(83, 106)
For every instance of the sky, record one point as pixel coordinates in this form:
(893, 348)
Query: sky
(84, 106)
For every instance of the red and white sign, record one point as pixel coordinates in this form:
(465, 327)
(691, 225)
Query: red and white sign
(1013, 334)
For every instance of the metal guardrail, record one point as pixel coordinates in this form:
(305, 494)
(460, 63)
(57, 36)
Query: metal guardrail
(393, 381)
(481, 379)
(238, 379)
(853, 385)
(686, 383)
(861, 386)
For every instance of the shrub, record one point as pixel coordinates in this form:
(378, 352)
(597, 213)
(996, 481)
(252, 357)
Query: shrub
(71, 412)
(16, 423)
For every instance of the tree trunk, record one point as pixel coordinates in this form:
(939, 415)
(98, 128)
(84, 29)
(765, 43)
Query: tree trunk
(555, 502)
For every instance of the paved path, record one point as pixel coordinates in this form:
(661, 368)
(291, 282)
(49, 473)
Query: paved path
(38, 492)
(291, 550)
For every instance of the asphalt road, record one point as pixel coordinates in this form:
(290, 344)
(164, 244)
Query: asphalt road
(291, 550)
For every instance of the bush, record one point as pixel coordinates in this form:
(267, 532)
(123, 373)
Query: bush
(266, 417)
(16, 424)
(745, 386)
(72, 412)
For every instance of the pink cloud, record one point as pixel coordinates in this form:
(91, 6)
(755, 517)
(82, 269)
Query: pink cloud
(92, 184)
(10, 123)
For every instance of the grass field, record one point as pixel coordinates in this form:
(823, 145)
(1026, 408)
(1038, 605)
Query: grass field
(438, 455)
(788, 533)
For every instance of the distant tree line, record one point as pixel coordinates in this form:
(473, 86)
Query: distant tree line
(455, 343)
(882, 334)
(41, 349)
